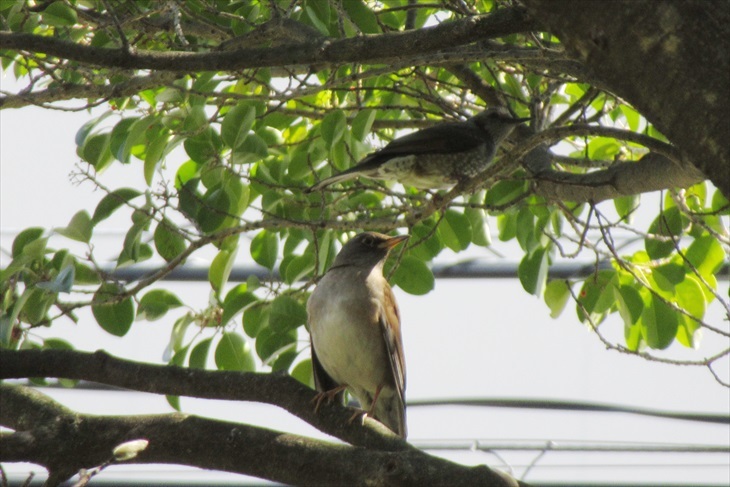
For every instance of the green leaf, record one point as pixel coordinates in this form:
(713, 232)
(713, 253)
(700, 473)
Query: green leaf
(284, 359)
(256, 318)
(630, 305)
(236, 300)
(670, 223)
(114, 317)
(85, 275)
(134, 250)
(83, 133)
(234, 353)
(79, 228)
(720, 204)
(270, 343)
(199, 354)
(156, 303)
(316, 22)
(362, 123)
(533, 270)
(505, 192)
(58, 14)
(362, 16)
(120, 143)
(603, 148)
(238, 193)
(35, 305)
(174, 402)
(96, 151)
(169, 243)
(526, 230)
(203, 147)
(632, 117)
(237, 124)
(706, 255)
(154, 153)
(265, 249)
(24, 238)
(286, 313)
(215, 208)
(297, 267)
(413, 276)
(479, 227)
(333, 127)
(111, 202)
(626, 206)
(557, 293)
(596, 297)
(455, 230)
(425, 241)
(691, 298)
(220, 269)
(177, 335)
(303, 373)
(659, 323)
(253, 149)
(507, 225)
(689, 332)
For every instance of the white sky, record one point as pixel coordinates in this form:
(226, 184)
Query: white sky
(484, 338)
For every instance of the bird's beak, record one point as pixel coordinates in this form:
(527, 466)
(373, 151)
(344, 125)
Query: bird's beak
(520, 120)
(393, 241)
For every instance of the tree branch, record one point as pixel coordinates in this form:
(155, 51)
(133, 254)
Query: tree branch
(276, 389)
(392, 45)
(70, 91)
(85, 441)
(668, 59)
(653, 172)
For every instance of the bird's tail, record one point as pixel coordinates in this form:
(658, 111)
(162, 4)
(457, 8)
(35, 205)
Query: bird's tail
(392, 413)
(343, 176)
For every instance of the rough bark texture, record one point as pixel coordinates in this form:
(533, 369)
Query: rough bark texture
(378, 458)
(671, 59)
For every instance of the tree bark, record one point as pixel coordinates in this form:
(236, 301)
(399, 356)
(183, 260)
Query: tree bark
(668, 58)
(376, 457)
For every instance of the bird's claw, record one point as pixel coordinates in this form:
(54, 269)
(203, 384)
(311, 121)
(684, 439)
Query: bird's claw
(326, 395)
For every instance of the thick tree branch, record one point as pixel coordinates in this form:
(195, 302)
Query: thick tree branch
(361, 49)
(653, 172)
(276, 389)
(74, 91)
(668, 59)
(85, 441)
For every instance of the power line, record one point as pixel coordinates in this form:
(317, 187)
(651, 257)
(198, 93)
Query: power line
(462, 270)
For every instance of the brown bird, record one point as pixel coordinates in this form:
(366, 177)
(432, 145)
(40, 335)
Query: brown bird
(436, 157)
(354, 325)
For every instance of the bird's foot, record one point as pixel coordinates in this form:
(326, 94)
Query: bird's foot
(371, 411)
(359, 413)
(327, 395)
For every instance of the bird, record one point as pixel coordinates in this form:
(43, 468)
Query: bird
(436, 157)
(355, 337)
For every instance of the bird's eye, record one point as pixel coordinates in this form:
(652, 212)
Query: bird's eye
(368, 240)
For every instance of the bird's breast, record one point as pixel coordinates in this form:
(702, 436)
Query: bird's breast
(346, 334)
(435, 171)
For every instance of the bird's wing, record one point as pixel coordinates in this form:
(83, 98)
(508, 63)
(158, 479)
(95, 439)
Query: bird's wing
(390, 327)
(444, 138)
(322, 381)
(439, 139)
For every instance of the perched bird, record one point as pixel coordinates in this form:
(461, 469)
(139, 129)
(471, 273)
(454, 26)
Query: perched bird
(354, 327)
(436, 157)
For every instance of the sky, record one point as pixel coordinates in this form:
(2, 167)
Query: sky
(476, 338)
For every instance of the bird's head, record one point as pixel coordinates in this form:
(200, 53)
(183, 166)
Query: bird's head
(497, 122)
(367, 249)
